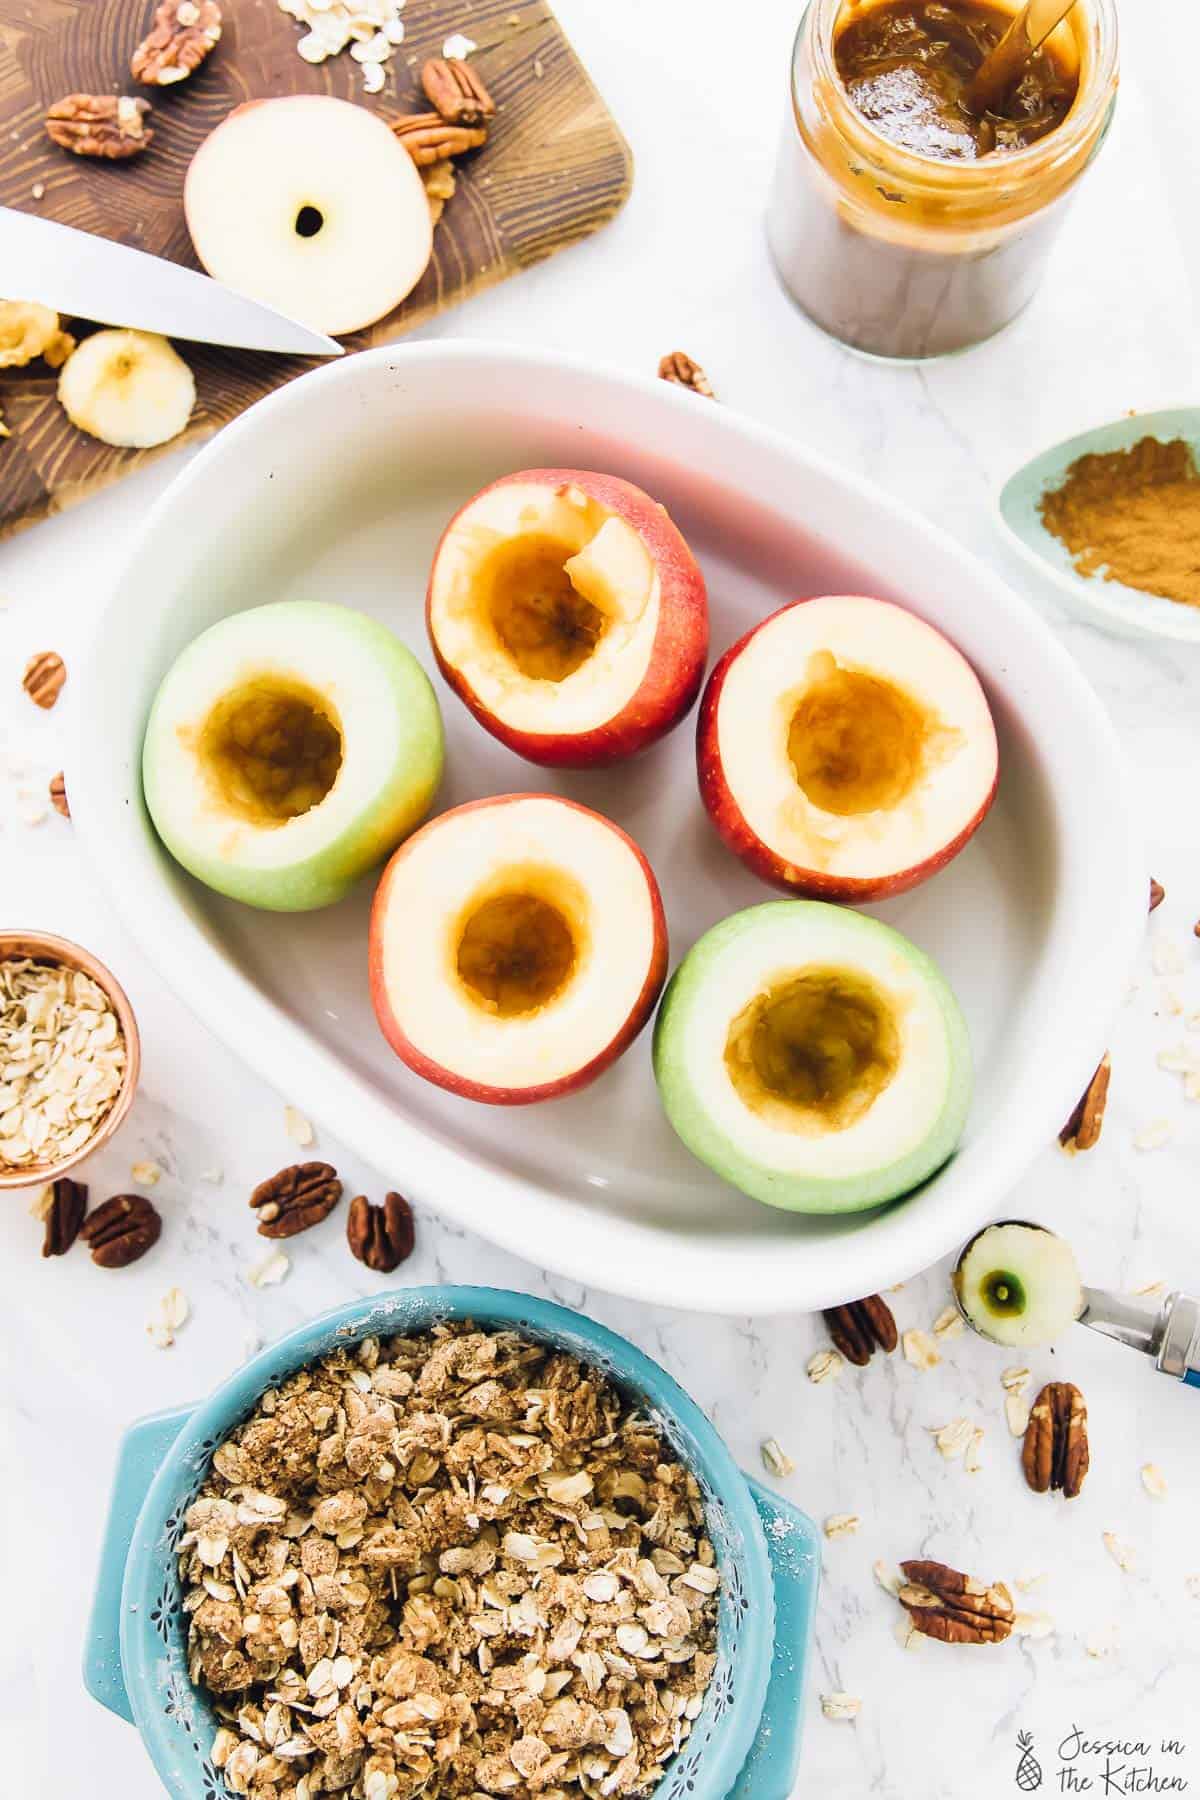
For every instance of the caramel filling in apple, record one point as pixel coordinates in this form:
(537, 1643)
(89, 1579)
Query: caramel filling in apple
(518, 945)
(271, 748)
(542, 621)
(813, 1051)
(856, 743)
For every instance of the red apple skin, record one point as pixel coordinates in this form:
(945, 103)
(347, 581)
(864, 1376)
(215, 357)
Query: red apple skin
(727, 816)
(678, 655)
(441, 1077)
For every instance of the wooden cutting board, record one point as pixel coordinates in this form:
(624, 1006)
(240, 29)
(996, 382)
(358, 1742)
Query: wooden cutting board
(555, 168)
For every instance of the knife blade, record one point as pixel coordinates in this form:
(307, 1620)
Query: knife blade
(88, 277)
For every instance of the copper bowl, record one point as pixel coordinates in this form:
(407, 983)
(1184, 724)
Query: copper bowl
(42, 947)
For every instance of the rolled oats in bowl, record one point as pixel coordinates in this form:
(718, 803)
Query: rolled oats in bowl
(455, 1563)
(63, 1062)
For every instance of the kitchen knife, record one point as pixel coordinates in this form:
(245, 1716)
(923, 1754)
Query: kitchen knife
(87, 277)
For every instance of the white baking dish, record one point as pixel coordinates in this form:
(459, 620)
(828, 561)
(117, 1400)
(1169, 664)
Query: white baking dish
(336, 488)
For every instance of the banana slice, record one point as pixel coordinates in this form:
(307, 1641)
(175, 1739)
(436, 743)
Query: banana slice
(128, 388)
(28, 330)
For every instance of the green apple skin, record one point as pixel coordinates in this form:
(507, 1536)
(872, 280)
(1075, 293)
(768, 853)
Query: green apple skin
(683, 1004)
(406, 751)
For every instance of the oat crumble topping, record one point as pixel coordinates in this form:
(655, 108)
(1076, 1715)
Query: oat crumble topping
(449, 1564)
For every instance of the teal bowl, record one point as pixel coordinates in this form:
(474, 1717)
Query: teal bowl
(745, 1742)
(1124, 611)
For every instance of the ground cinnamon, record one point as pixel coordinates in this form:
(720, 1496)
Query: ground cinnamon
(1133, 516)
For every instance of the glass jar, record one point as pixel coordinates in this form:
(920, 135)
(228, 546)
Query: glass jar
(901, 255)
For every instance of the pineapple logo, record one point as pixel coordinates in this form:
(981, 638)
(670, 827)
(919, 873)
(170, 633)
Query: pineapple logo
(1029, 1769)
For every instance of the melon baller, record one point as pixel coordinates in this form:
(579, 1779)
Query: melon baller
(1168, 1332)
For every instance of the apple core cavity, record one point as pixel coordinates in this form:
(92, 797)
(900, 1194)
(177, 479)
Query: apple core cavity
(813, 1050)
(543, 623)
(516, 952)
(856, 743)
(271, 750)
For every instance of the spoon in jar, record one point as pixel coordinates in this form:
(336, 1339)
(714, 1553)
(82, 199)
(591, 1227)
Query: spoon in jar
(1005, 60)
(1018, 1284)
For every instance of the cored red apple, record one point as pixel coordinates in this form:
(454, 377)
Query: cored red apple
(845, 749)
(568, 613)
(518, 945)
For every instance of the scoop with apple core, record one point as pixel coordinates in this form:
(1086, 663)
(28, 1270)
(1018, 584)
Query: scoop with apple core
(1017, 1283)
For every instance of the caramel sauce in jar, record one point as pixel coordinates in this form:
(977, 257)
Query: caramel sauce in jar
(900, 221)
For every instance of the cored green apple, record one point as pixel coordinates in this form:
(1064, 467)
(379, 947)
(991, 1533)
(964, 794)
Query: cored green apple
(567, 612)
(289, 749)
(813, 1057)
(518, 946)
(845, 749)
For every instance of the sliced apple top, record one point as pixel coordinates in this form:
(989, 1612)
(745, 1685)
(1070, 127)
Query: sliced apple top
(565, 606)
(845, 741)
(517, 946)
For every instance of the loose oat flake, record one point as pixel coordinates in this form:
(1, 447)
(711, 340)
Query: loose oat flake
(1166, 957)
(841, 1706)
(62, 1060)
(949, 1323)
(298, 1127)
(146, 1174)
(776, 1460)
(446, 1565)
(1032, 1624)
(919, 1350)
(173, 1313)
(826, 1365)
(1154, 1135)
(889, 1578)
(270, 1271)
(1123, 1554)
(840, 1525)
(953, 1439)
(1154, 1481)
(1016, 1412)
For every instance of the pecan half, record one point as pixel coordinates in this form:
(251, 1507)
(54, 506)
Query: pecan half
(299, 1196)
(942, 1603)
(43, 678)
(380, 1236)
(64, 1216)
(428, 138)
(860, 1326)
(456, 91)
(107, 125)
(680, 368)
(1055, 1453)
(58, 795)
(183, 33)
(121, 1231)
(1082, 1129)
(1158, 893)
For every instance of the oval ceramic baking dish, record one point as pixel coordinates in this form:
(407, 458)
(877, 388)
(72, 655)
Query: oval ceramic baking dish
(746, 1741)
(336, 489)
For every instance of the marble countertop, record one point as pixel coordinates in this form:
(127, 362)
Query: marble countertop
(686, 265)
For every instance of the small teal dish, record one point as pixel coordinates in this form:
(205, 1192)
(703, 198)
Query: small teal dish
(746, 1742)
(1125, 611)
